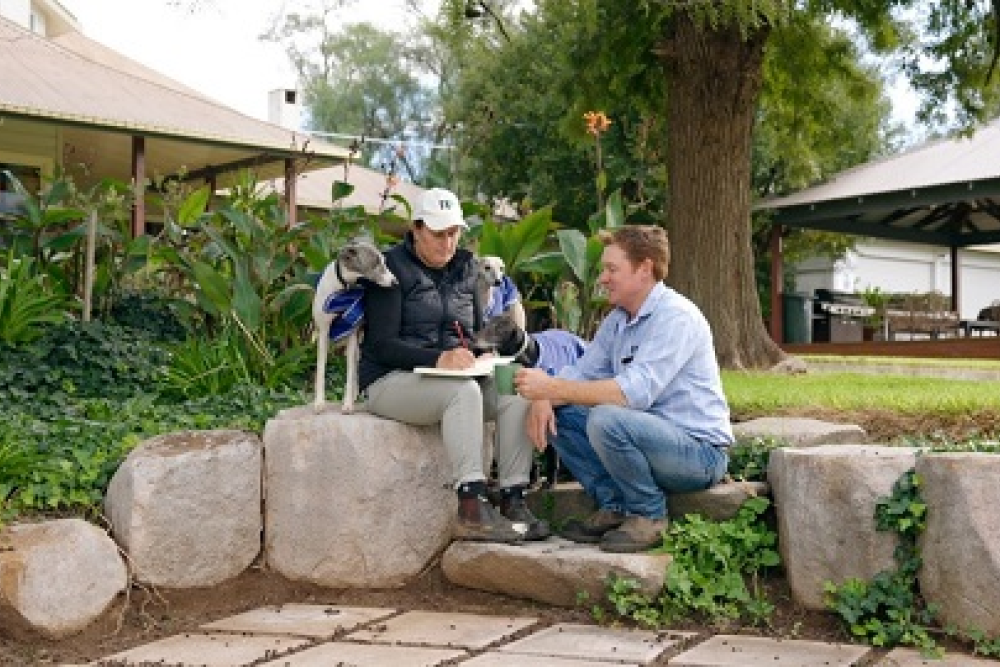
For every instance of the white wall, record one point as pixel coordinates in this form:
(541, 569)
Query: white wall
(813, 274)
(284, 108)
(896, 266)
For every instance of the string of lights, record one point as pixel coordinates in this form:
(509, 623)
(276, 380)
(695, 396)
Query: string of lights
(387, 142)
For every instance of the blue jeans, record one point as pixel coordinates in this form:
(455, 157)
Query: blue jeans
(626, 459)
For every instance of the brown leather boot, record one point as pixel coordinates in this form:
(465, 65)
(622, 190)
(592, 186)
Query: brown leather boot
(593, 528)
(637, 533)
(514, 507)
(479, 521)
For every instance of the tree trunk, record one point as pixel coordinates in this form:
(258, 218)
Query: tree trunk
(713, 80)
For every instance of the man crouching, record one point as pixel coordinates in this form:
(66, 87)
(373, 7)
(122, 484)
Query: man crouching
(642, 413)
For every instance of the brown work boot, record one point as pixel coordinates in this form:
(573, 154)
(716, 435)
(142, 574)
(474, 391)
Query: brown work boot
(479, 521)
(637, 533)
(593, 528)
(513, 507)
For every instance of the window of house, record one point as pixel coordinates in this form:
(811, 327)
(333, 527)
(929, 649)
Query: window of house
(29, 177)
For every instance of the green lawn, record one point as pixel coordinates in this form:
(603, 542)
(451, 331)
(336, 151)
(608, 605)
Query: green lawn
(761, 392)
(979, 364)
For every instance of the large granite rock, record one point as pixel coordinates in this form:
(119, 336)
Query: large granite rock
(825, 500)
(719, 503)
(56, 577)
(185, 506)
(560, 502)
(354, 500)
(961, 544)
(800, 432)
(553, 571)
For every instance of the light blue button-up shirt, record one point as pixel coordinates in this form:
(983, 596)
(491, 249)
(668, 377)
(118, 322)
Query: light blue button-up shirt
(664, 362)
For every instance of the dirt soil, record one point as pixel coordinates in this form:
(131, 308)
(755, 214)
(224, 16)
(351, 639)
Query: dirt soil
(147, 615)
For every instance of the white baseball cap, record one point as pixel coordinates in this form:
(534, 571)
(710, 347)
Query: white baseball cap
(440, 209)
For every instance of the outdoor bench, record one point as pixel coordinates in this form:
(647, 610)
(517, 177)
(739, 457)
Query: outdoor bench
(915, 314)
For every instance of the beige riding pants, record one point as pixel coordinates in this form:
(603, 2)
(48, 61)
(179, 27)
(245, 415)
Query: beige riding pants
(461, 406)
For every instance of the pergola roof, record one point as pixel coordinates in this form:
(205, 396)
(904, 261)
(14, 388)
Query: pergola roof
(945, 192)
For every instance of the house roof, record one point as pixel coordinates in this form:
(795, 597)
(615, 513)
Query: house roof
(87, 88)
(945, 192)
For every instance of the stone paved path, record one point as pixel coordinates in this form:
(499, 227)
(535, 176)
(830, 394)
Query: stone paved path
(309, 635)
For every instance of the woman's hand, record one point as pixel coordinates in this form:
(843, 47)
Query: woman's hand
(456, 360)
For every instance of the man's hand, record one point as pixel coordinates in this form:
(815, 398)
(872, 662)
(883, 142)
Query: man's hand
(540, 423)
(534, 384)
(456, 360)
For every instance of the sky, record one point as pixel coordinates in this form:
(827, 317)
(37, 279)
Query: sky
(214, 50)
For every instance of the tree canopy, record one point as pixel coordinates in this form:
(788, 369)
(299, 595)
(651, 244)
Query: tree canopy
(718, 74)
(713, 103)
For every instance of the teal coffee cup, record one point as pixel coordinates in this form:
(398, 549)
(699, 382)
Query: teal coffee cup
(503, 378)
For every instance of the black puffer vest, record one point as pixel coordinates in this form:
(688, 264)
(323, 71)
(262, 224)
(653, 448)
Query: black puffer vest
(433, 300)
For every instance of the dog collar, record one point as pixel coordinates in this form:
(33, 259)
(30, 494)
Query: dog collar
(340, 276)
(524, 344)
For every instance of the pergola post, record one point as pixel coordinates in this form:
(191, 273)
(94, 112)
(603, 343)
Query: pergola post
(290, 199)
(139, 180)
(777, 278)
(212, 183)
(956, 279)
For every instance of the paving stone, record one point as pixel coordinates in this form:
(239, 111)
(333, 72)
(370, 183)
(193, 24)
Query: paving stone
(219, 650)
(300, 620)
(745, 651)
(428, 628)
(908, 657)
(368, 655)
(570, 640)
(504, 660)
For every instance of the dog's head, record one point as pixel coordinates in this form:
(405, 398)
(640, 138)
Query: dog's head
(491, 270)
(359, 259)
(502, 334)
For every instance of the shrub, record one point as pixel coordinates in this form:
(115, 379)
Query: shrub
(82, 360)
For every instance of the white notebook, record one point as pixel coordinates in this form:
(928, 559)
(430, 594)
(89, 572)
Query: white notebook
(483, 366)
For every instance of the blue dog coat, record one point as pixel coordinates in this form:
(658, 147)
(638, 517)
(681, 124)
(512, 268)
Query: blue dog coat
(348, 307)
(557, 348)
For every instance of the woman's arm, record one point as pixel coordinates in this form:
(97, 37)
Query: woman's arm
(383, 313)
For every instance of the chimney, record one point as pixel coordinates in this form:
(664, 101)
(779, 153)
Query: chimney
(284, 108)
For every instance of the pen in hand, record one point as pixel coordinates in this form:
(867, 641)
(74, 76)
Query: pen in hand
(461, 335)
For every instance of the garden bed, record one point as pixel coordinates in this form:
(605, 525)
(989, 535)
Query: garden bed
(148, 615)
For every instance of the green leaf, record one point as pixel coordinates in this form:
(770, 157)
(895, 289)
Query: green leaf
(614, 211)
(340, 190)
(193, 207)
(63, 242)
(246, 302)
(574, 248)
(213, 286)
(546, 263)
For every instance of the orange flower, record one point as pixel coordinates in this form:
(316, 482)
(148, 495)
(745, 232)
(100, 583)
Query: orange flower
(597, 122)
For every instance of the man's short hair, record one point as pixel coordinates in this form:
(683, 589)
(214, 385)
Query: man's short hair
(641, 242)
